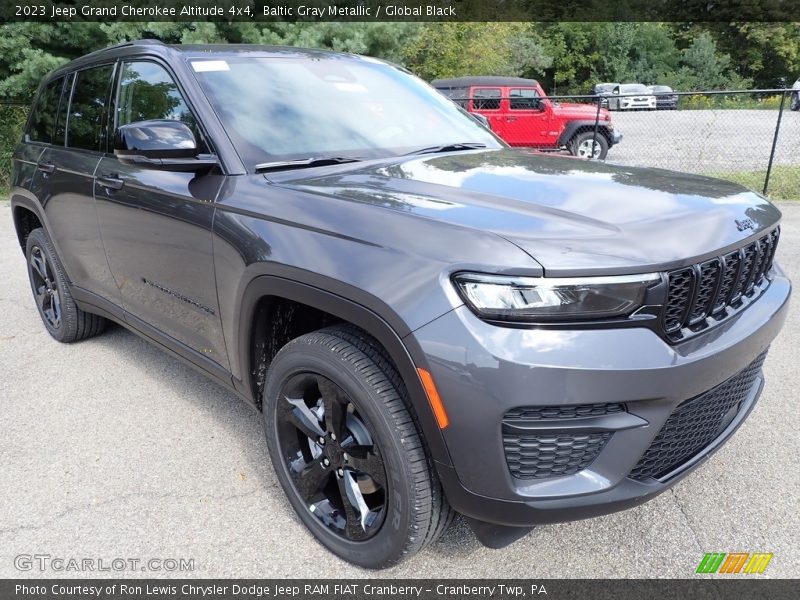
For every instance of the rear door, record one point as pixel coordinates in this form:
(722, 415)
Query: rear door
(156, 224)
(65, 171)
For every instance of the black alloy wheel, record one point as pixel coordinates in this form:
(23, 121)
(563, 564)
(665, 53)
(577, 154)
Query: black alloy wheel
(329, 452)
(45, 288)
(347, 449)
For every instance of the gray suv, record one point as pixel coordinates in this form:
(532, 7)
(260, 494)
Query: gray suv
(430, 322)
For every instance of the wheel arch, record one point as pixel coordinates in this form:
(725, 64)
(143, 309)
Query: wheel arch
(574, 128)
(403, 351)
(26, 216)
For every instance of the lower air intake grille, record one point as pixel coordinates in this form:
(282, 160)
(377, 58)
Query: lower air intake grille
(556, 455)
(696, 423)
(567, 411)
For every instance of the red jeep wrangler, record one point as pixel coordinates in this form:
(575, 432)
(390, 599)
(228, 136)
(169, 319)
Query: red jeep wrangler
(520, 112)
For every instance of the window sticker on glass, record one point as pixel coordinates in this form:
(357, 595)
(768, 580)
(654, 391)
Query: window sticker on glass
(203, 66)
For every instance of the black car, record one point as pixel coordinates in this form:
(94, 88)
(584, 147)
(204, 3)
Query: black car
(429, 322)
(603, 91)
(666, 98)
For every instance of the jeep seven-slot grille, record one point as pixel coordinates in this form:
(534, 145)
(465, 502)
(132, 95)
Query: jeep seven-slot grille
(715, 288)
(695, 423)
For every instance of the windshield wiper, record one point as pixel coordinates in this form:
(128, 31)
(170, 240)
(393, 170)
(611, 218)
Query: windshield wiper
(304, 163)
(448, 148)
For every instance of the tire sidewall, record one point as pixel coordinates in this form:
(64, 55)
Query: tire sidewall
(582, 137)
(38, 238)
(388, 544)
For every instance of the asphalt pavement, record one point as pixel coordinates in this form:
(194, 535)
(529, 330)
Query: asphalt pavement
(111, 449)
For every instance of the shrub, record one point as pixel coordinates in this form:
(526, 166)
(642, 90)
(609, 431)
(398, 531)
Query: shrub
(12, 120)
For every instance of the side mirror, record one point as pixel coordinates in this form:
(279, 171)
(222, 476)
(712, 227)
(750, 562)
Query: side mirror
(160, 144)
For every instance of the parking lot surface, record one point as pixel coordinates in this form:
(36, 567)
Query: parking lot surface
(705, 141)
(112, 449)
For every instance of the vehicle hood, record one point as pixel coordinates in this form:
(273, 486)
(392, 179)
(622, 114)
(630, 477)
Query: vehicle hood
(579, 111)
(573, 216)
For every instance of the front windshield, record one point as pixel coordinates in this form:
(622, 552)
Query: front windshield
(633, 89)
(286, 108)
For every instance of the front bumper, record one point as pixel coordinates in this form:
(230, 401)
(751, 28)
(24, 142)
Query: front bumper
(482, 371)
(616, 138)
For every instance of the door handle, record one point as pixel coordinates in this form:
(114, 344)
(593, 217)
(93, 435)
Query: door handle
(510, 119)
(46, 167)
(111, 183)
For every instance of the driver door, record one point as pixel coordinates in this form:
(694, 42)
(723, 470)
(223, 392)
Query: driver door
(156, 225)
(529, 120)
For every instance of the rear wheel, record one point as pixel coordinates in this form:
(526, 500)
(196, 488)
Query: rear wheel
(586, 145)
(347, 450)
(61, 316)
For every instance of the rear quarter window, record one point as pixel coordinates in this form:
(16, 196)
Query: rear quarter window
(42, 125)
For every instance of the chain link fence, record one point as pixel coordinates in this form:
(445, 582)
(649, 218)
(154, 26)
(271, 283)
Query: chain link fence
(751, 137)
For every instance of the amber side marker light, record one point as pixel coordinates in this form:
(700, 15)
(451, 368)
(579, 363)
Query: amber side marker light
(433, 397)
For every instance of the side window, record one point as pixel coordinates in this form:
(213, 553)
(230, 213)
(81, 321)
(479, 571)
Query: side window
(524, 99)
(43, 120)
(486, 99)
(147, 91)
(63, 107)
(87, 109)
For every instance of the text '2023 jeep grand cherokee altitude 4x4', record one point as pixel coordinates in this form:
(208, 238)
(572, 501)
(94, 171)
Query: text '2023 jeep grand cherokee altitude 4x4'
(429, 321)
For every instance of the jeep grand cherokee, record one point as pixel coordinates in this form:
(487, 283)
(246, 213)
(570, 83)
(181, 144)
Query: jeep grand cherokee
(429, 321)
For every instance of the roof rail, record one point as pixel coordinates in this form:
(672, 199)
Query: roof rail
(145, 42)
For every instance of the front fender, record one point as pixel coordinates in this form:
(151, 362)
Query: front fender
(404, 352)
(571, 128)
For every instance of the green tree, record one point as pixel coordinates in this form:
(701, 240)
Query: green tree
(456, 49)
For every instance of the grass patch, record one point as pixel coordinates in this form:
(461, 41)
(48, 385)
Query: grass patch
(784, 181)
(734, 101)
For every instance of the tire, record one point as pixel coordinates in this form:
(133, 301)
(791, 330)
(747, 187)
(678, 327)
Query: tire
(61, 316)
(580, 145)
(342, 366)
(795, 103)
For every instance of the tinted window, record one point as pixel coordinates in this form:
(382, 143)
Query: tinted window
(88, 108)
(61, 121)
(147, 91)
(43, 120)
(523, 99)
(486, 99)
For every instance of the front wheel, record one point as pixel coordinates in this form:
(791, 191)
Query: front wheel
(795, 104)
(586, 145)
(347, 451)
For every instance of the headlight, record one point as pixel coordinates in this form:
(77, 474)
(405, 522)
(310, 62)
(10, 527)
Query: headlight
(551, 299)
